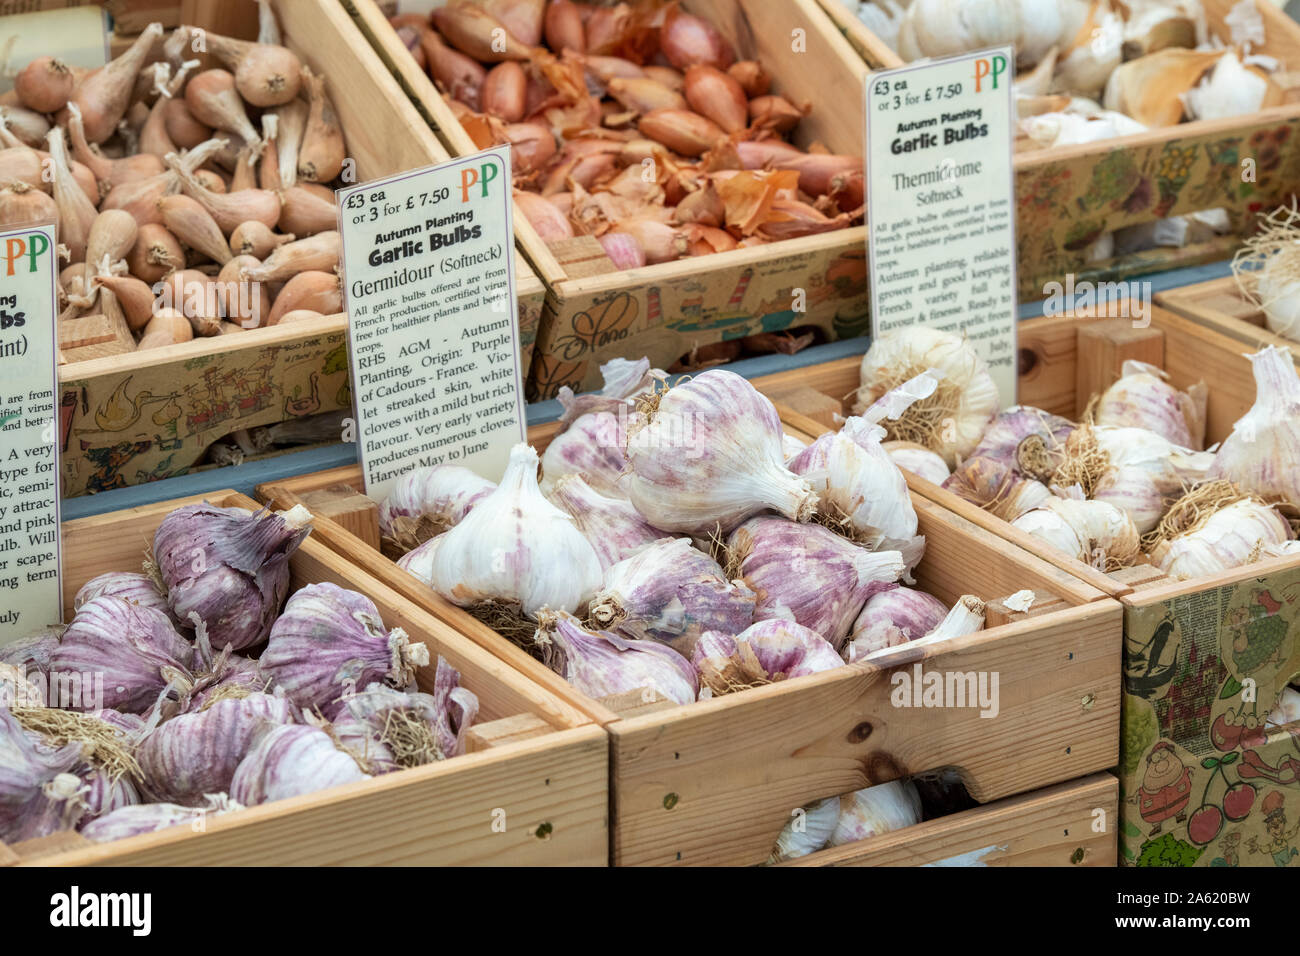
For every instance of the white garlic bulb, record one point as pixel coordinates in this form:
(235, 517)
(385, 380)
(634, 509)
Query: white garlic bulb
(1156, 24)
(515, 547)
(876, 810)
(1094, 532)
(419, 561)
(710, 454)
(1143, 398)
(1232, 89)
(1220, 538)
(1092, 53)
(937, 28)
(1262, 455)
(1049, 130)
(967, 616)
(949, 421)
(807, 830)
(918, 460)
(1278, 292)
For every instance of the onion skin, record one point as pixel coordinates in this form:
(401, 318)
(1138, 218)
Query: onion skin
(563, 27)
(775, 113)
(687, 40)
(532, 146)
(659, 242)
(715, 95)
(681, 131)
(256, 239)
(503, 92)
(45, 85)
(459, 76)
(190, 222)
(167, 327)
(703, 206)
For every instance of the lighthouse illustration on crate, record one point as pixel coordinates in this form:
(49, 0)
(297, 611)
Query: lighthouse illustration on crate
(694, 318)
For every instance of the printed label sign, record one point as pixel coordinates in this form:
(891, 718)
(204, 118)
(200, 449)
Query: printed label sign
(30, 569)
(941, 218)
(428, 264)
(77, 36)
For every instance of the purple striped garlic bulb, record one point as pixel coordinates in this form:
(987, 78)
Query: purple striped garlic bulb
(196, 754)
(1028, 440)
(291, 759)
(763, 653)
(671, 592)
(110, 773)
(39, 794)
(592, 446)
(1143, 398)
(611, 525)
(129, 586)
(419, 561)
(624, 380)
(329, 641)
(601, 663)
(120, 656)
(516, 548)
(428, 501)
(710, 454)
(31, 655)
(151, 817)
(893, 617)
(965, 617)
(229, 567)
(809, 575)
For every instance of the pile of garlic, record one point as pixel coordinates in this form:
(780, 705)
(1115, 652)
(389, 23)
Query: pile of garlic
(676, 542)
(1130, 485)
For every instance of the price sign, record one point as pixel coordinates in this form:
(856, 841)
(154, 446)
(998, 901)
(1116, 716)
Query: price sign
(941, 215)
(30, 552)
(433, 336)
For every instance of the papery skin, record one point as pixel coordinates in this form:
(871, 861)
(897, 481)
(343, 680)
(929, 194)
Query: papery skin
(876, 810)
(445, 492)
(1227, 539)
(1086, 530)
(1287, 710)
(517, 547)
(810, 575)
(196, 754)
(230, 568)
(151, 817)
(17, 689)
(135, 648)
(592, 446)
(1020, 434)
(996, 487)
(893, 617)
(781, 649)
(26, 770)
(101, 793)
(919, 461)
(1144, 472)
(671, 592)
(818, 821)
(242, 672)
(612, 526)
(290, 760)
(711, 455)
(330, 641)
(601, 663)
(130, 587)
(1262, 455)
(624, 379)
(419, 560)
(1142, 398)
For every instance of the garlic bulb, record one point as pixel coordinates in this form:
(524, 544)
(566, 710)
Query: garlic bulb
(1150, 89)
(1287, 710)
(601, 663)
(1092, 53)
(1261, 454)
(763, 653)
(228, 567)
(18, 690)
(671, 592)
(939, 28)
(893, 617)
(1053, 129)
(197, 753)
(419, 561)
(1094, 532)
(592, 446)
(329, 641)
(1277, 290)
(1155, 24)
(31, 655)
(710, 454)
(428, 501)
(152, 817)
(918, 460)
(807, 831)
(624, 381)
(996, 487)
(876, 810)
(288, 760)
(1028, 439)
(132, 587)
(517, 548)
(1215, 528)
(132, 649)
(1232, 89)
(38, 794)
(952, 419)
(859, 484)
(1142, 398)
(611, 525)
(809, 575)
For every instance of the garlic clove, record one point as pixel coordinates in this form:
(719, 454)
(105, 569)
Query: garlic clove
(132, 587)
(601, 663)
(151, 817)
(709, 454)
(611, 525)
(517, 548)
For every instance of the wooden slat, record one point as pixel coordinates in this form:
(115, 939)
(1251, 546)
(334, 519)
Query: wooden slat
(504, 731)
(65, 841)
(1103, 348)
(1070, 824)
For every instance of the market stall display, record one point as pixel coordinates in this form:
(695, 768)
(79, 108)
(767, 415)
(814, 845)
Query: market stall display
(1204, 589)
(805, 274)
(141, 409)
(1144, 148)
(681, 766)
(391, 777)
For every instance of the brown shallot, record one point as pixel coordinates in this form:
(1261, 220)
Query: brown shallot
(265, 75)
(322, 154)
(319, 253)
(104, 94)
(134, 295)
(167, 327)
(318, 291)
(45, 84)
(476, 33)
(192, 224)
(213, 100)
(256, 239)
(76, 210)
(22, 203)
(155, 254)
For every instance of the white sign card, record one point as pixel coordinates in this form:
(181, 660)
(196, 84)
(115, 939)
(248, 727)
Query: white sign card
(433, 337)
(79, 36)
(30, 546)
(941, 214)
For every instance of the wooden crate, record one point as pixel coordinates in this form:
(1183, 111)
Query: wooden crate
(664, 311)
(542, 772)
(713, 782)
(1184, 669)
(1221, 305)
(1067, 197)
(1070, 824)
(145, 416)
